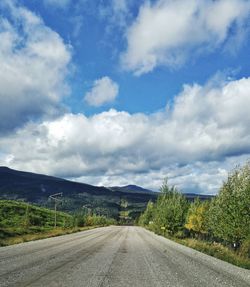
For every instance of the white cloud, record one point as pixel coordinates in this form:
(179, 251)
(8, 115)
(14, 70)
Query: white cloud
(104, 91)
(34, 65)
(120, 12)
(77, 23)
(168, 32)
(57, 3)
(117, 14)
(204, 134)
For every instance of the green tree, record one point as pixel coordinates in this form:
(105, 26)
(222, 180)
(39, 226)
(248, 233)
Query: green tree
(170, 210)
(147, 216)
(197, 217)
(229, 213)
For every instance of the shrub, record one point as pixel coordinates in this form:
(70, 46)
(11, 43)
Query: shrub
(245, 248)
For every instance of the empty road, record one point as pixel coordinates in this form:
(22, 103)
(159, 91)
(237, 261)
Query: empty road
(114, 256)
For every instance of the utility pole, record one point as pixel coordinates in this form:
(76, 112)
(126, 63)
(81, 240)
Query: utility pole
(88, 209)
(26, 222)
(56, 200)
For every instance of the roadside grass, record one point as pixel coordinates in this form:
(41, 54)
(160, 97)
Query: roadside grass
(20, 216)
(19, 236)
(22, 222)
(214, 249)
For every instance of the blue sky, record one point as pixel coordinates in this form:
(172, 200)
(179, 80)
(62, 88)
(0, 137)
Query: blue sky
(98, 42)
(126, 92)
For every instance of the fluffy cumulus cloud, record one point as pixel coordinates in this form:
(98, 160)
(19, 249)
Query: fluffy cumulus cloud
(166, 32)
(104, 91)
(34, 64)
(194, 142)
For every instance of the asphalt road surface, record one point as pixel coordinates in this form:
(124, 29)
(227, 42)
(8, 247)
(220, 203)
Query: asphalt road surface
(114, 256)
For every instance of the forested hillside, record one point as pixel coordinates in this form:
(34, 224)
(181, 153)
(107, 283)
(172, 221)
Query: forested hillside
(125, 203)
(36, 188)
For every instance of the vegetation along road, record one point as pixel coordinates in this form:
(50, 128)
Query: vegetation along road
(114, 256)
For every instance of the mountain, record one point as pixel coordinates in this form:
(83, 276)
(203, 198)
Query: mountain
(192, 196)
(138, 189)
(132, 188)
(117, 202)
(36, 188)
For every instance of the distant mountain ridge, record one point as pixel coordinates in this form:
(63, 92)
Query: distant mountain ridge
(36, 188)
(139, 189)
(132, 188)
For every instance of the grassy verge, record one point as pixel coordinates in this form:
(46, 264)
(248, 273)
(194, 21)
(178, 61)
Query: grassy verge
(214, 249)
(21, 222)
(42, 234)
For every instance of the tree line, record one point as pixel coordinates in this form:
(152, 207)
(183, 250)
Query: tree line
(224, 219)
